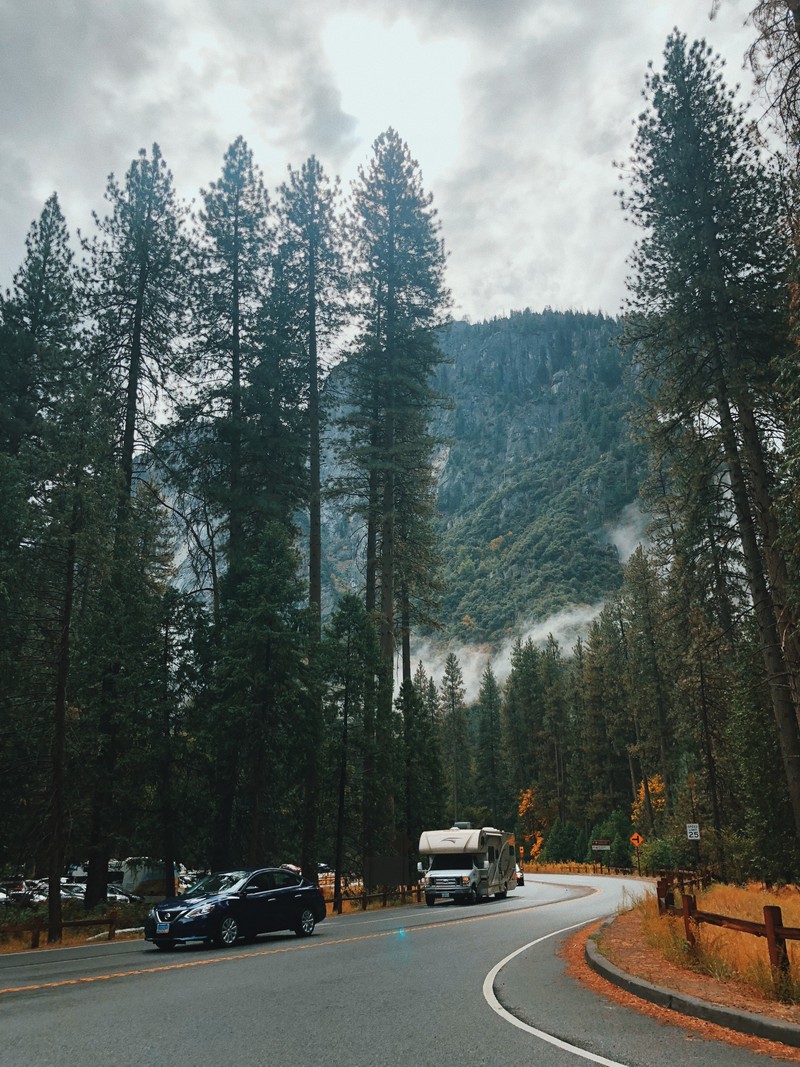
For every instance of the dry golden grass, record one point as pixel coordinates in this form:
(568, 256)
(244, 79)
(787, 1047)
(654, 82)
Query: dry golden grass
(76, 936)
(728, 954)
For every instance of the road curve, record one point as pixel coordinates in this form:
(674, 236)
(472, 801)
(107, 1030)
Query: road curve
(425, 986)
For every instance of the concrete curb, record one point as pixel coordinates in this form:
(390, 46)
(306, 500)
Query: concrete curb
(745, 1022)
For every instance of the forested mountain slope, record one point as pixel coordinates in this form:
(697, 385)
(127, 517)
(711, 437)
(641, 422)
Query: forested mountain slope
(539, 466)
(536, 466)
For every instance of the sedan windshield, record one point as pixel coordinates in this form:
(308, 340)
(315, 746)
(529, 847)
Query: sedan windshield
(218, 882)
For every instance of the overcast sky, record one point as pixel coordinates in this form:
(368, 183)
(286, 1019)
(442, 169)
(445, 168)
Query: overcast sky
(515, 110)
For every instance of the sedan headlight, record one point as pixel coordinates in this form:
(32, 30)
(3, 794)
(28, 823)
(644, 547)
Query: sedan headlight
(201, 909)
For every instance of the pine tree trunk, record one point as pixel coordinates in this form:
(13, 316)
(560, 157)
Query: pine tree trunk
(105, 765)
(783, 708)
(308, 858)
(777, 571)
(56, 854)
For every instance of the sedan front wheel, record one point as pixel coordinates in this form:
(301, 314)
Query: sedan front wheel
(306, 923)
(227, 932)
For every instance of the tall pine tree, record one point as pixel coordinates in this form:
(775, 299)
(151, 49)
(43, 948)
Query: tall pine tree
(709, 313)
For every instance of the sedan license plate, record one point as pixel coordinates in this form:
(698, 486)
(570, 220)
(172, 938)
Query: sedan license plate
(445, 895)
(162, 928)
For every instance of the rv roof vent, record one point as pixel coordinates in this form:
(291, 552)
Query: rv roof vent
(461, 826)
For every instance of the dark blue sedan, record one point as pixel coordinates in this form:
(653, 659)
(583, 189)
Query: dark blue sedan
(228, 905)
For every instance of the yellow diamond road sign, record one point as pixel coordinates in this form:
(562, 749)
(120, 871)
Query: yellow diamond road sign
(636, 840)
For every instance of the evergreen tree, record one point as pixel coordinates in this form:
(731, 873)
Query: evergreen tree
(430, 765)
(57, 449)
(457, 744)
(488, 750)
(43, 311)
(311, 274)
(350, 657)
(234, 245)
(708, 311)
(645, 647)
(136, 289)
(522, 716)
(775, 60)
(399, 264)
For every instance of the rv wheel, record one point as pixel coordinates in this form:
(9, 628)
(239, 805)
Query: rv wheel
(473, 896)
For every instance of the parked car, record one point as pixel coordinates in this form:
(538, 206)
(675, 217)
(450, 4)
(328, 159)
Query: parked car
(520, 876)
(69, 890)
(228, 905)
(116, 895)
(27, 893)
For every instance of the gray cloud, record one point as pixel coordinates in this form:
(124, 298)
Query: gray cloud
(522, 178)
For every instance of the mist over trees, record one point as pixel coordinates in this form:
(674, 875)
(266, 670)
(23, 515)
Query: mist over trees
(196, 669)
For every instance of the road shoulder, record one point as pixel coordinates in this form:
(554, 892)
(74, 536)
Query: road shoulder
(616, 953)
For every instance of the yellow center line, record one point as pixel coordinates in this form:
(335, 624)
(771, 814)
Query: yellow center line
(264, 952)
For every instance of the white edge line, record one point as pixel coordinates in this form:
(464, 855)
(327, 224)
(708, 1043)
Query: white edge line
(497, 1007)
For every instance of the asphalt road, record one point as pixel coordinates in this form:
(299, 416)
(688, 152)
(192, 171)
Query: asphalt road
(409, 986)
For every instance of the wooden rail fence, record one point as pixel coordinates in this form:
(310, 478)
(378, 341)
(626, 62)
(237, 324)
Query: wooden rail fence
(772, 928)
(401, 895)
(39, 923)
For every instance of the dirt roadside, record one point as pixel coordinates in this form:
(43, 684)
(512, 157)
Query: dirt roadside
(622, 942)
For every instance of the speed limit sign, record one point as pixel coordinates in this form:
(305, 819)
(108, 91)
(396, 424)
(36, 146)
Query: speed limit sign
(693, 831)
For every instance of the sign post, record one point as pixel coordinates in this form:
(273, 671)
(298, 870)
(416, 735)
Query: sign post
(693, 834)
(602, 845)
(636, 841)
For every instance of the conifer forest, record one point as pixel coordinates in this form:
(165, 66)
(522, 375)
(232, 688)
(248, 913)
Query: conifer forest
(252, 474)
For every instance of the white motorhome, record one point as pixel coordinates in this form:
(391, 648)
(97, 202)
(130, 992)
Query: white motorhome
(466, 864)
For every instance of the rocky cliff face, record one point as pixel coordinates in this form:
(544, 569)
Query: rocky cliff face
(535, 469)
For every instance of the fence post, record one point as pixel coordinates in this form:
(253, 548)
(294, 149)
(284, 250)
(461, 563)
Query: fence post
(688, 907)
(661, 895)
(112, 925)
(364, 900)
(778, 956)
(669, 891)
(36, 930)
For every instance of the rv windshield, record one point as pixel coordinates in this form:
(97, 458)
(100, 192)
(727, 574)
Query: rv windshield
(452, 861)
